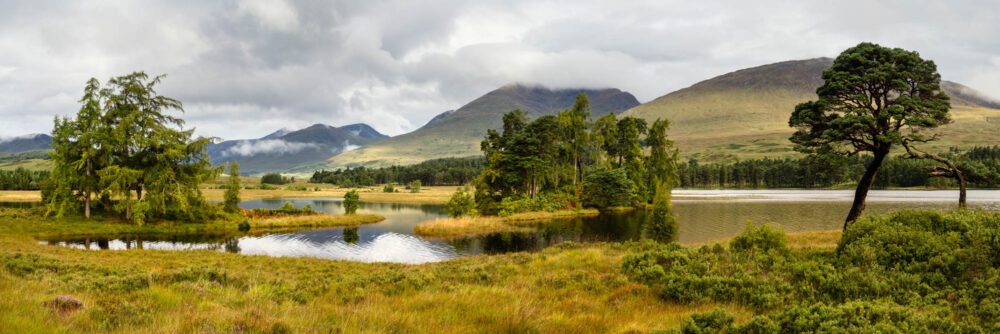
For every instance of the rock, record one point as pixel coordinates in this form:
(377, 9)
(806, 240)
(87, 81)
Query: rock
(64, 303)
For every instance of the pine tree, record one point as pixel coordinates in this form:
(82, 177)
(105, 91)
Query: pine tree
(232, 195)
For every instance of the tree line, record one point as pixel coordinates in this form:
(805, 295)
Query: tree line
(980, 164)
(437, 172)
(22, 179)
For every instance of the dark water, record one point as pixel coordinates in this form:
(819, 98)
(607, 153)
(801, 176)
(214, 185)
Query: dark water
(702, 216)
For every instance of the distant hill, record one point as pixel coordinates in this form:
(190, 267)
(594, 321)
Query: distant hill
(745, 113)
(301, 150)
(458, 133)
(438, 117)
(32, 142)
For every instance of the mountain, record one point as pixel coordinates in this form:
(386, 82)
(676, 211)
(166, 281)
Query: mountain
(364, 131)
(458, 133)
(438, 117)
(301, 150)
(744, 114)
(32, 142)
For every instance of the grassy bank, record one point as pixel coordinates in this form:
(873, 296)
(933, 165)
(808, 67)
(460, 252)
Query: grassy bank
(569, 288)
(470, 226)
(315, 220)
(427, 194)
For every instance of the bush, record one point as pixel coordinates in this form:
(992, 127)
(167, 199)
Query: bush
(542, 202)
(415, 186)
(273, 178)
(388, 189)
(287, 207)
(604, 188)
(460, 204)
(763, 238)
(662, 226)
(351, 200)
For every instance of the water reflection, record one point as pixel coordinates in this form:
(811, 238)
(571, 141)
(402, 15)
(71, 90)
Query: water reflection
(393, 240)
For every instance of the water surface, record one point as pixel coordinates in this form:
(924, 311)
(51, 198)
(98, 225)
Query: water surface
(703, 215)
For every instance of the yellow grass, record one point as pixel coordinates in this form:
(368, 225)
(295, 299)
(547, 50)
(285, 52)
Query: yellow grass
(469, 226)
(20, 196)
(571, 288)
(795, 240)
(427, 194)
(317, 220)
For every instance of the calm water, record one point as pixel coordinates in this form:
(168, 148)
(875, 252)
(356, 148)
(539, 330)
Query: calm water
(703, 215)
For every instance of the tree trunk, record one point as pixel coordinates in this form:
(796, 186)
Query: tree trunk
(86, 208)
(861, 193)
(961, 189)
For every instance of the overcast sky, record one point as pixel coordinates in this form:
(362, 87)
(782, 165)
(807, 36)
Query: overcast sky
(246, 68)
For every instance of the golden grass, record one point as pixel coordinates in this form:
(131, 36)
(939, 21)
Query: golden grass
(795, 240)
(316, 220)
(470, 226)
(427, 194)
(20, 196)
(571, 288)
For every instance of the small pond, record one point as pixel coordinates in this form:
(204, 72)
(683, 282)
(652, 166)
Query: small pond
(703, 215)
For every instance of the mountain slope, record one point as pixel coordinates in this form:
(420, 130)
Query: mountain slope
(745, 113)
(32, 142)
(458, 133)
(292, 151)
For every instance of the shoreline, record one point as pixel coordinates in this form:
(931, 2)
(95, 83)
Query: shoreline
(461, 227)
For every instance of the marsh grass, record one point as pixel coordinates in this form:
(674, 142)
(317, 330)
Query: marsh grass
(567, 288)
(316, 220)
(469, 226)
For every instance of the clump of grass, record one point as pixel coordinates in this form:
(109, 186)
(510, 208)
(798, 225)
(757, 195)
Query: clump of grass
(469, 226)
(462, 226)
(316, 220)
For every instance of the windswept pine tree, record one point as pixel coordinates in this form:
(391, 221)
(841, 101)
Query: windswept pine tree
(873, 98)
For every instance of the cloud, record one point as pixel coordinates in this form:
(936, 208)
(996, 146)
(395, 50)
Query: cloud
(267, 146)
(348, 146)
(245, 68)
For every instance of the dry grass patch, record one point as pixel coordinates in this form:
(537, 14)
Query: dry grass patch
(316, 220)
(20, 196)
(469, 226)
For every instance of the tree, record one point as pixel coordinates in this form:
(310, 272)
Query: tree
(662, 160)
(604, 188)
(415, 186)
(273, 178)
(574, 137)
(662, 225)
(873, 97)
(122, 143)
(351, 200)
(629, 149)
(232, 195)
(948, 170)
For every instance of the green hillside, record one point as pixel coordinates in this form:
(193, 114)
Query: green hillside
(458, 133)
(744, 114)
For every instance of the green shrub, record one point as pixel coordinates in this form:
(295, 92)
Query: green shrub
(460, 204)
(287, 207)
(762, 238)
(415, 186)
(351, 200)
(274, 178)
(604, 188)
(388, 189)
(542, 202)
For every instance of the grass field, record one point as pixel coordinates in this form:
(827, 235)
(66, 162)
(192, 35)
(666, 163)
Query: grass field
(568, 288)
(29, 164)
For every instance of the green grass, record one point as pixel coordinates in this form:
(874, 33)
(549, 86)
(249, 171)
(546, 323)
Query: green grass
(470, 226)
(569, 288)
(29, 164)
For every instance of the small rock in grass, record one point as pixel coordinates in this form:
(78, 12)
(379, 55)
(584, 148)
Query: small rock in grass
(64, 303)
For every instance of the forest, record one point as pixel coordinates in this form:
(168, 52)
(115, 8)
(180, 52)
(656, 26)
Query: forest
(981, 166)
(22, 179)
(437, 172)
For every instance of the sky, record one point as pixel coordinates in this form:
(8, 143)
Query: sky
(246, 68)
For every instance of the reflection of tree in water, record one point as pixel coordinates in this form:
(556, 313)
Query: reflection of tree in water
(232, 245)
(505, 242)
(463, 245)
(351, 235)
